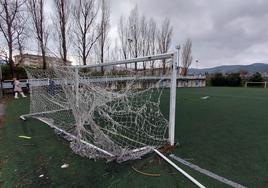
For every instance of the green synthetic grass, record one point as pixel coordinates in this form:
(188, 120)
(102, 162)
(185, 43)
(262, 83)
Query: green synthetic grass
(226, 134)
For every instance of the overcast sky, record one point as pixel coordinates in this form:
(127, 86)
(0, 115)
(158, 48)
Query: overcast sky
(223, 31)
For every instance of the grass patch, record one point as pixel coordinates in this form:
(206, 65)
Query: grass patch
(225, 134)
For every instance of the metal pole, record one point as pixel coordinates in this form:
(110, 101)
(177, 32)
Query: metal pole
(129, 61)
(173, 87)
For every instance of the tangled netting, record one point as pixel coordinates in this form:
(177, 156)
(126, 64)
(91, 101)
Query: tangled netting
(110, 112)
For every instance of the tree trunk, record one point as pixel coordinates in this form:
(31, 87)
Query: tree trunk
(12, 67)
(10, 52)
(84, 60)
(184, 71)
(84, 57)
(10, 60)
(44, 58)
(102, 58)
(64, 46)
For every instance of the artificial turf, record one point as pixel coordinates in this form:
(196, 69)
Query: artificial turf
(226, 134)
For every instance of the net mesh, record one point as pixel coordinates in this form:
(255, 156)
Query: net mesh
(110, 112)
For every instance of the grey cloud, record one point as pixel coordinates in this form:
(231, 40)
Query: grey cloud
(223, 31)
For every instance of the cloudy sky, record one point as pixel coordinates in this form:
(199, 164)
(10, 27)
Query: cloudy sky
(223, 31)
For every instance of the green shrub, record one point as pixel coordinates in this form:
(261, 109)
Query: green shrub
(256, 77)
(218, 80)
(19, 72)
(233, 80)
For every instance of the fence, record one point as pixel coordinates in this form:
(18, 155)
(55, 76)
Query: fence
(182, 81)
(7, 86)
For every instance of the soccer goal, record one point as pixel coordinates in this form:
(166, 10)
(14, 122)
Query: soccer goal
(109, 110)
(256, 84)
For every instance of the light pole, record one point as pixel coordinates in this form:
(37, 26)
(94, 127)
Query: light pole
(197, 61)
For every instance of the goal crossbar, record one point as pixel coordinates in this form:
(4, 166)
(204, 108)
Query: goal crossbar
(265, 83)
(128, 61)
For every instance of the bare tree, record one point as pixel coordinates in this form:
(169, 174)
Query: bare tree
(103, 29)
(85, 13)
(152, 41)
(115, 52)
(22, 36)
(141, 37)
(134, 33)
(123, 37)
(144, 39)
(187, 57)
(36, 10)
(10, 21)
(20, 45)
(164, 36)
(62, 8)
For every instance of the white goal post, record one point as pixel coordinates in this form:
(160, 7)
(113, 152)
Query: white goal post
(265, 84)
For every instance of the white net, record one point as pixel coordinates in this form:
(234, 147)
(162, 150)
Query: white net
(110, 111)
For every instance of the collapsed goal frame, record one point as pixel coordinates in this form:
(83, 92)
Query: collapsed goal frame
(35, 83)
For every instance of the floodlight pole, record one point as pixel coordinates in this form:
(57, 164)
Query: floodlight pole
(173, 87)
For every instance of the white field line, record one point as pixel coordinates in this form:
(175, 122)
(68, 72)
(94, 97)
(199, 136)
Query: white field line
(179, 169)
(208, 173)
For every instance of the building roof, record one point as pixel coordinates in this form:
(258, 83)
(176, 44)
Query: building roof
(33, 56)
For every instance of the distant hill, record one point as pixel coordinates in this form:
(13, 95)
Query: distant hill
(256, 67)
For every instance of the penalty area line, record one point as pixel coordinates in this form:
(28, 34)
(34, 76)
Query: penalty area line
(208, 173)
